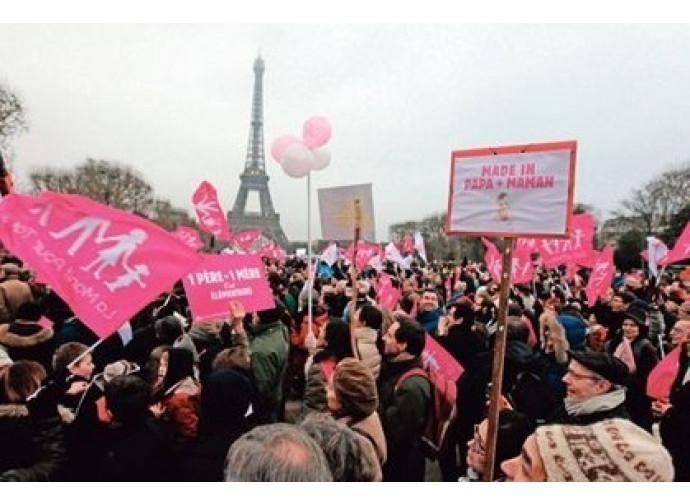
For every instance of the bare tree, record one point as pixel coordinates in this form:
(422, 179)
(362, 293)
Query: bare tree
(658, 201)
(114, 184)
(12, 115)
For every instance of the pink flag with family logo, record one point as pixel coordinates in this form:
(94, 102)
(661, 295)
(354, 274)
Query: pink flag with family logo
(222, 278)
(245, 239)
(577, 248)
(209, 213)
(437, 359)
(189, 237)
(601, 276)
(106, 264)
(365, 253)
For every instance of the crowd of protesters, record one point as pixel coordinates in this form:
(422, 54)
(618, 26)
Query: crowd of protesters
(166, 398)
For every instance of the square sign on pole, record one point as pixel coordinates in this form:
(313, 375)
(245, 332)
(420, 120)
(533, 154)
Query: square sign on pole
(513, 191)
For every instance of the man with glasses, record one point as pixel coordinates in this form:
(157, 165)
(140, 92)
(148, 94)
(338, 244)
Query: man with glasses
(594, 389)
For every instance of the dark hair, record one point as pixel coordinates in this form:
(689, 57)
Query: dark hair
(127, 398)
(168, 329)
(29, 311)
(180, 366)
(21, 379)
(513, 429)
(66, 354)
(371, 316)
(412, 333)
(517, 329)
(337, 337)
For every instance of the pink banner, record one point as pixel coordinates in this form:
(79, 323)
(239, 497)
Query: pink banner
(576, 249)
(660, 379)
(221, 278)
(436, 358)
(209, 213)
(681, 250)
(106, 264)
(189, 237)
(601, 276)
(522, 271)
(365, 253)
(245, 239)
(388, 295)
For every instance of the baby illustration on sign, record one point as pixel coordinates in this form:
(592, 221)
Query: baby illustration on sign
(125, 245)
(503, 202)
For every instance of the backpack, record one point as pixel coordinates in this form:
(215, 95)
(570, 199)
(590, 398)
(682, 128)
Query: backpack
(532, 396)
(439, 416)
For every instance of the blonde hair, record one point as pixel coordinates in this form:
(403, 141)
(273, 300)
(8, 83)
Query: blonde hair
(556, 336)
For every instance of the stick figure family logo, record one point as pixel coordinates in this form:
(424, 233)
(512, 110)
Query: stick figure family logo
(116, 256)
(206, 210)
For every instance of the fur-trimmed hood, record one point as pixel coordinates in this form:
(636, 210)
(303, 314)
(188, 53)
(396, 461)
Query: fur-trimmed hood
(13, 411)
(13, 340)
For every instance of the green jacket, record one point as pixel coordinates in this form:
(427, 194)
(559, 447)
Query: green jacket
(269, 344)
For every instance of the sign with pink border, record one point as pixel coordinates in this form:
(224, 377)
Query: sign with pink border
(222, 278)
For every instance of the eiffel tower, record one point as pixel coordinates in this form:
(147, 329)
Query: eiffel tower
(254, 177)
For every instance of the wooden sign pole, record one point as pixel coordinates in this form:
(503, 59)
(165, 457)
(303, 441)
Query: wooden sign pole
(499, 354)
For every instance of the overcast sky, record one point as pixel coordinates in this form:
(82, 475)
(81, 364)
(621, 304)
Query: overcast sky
(174, 102)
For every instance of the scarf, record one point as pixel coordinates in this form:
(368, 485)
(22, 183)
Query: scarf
(603, 402)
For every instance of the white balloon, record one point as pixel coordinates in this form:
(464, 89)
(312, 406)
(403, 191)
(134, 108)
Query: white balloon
(322, 158)
(297, 160)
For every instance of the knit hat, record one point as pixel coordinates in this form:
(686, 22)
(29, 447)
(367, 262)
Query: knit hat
(119, 368)
(355, 388)
(605, 365)
(637, 315)
(611, 450)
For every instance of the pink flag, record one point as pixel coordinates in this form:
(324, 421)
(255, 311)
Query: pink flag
(365, 253)
(388, 295)
(106, 264)
(393, 254)
(189, 237)
(245, 239)
(208, 211)
(601, 276)
(436, 358)
(681, 250)
(221, 278)
(522, 268)
(576, 249)
(661, 378)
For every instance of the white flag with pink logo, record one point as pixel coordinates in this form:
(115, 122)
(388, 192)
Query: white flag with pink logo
(209, 213)
(106, 264)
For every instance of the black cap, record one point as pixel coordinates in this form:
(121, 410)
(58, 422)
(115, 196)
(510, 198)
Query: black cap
(637, 315)
(605, 365)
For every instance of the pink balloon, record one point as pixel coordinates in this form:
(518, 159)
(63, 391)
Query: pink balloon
(280, 144)
(322, 157)
(316, 132)
(297, 161)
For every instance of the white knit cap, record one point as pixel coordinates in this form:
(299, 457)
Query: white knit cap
(610, 450)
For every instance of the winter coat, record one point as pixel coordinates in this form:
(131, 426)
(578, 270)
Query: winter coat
(32, 449)
(181, 403)
(13, 294)
(403, 411)
(674, 426)
(315, 389)
(28, 342)
(269, 345)
(575, 330)
(367, 351)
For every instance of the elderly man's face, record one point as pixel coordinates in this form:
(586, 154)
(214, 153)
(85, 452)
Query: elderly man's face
(680, 333)
(528, 466)
(581, 383)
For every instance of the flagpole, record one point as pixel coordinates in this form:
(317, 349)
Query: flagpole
(310, 277)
